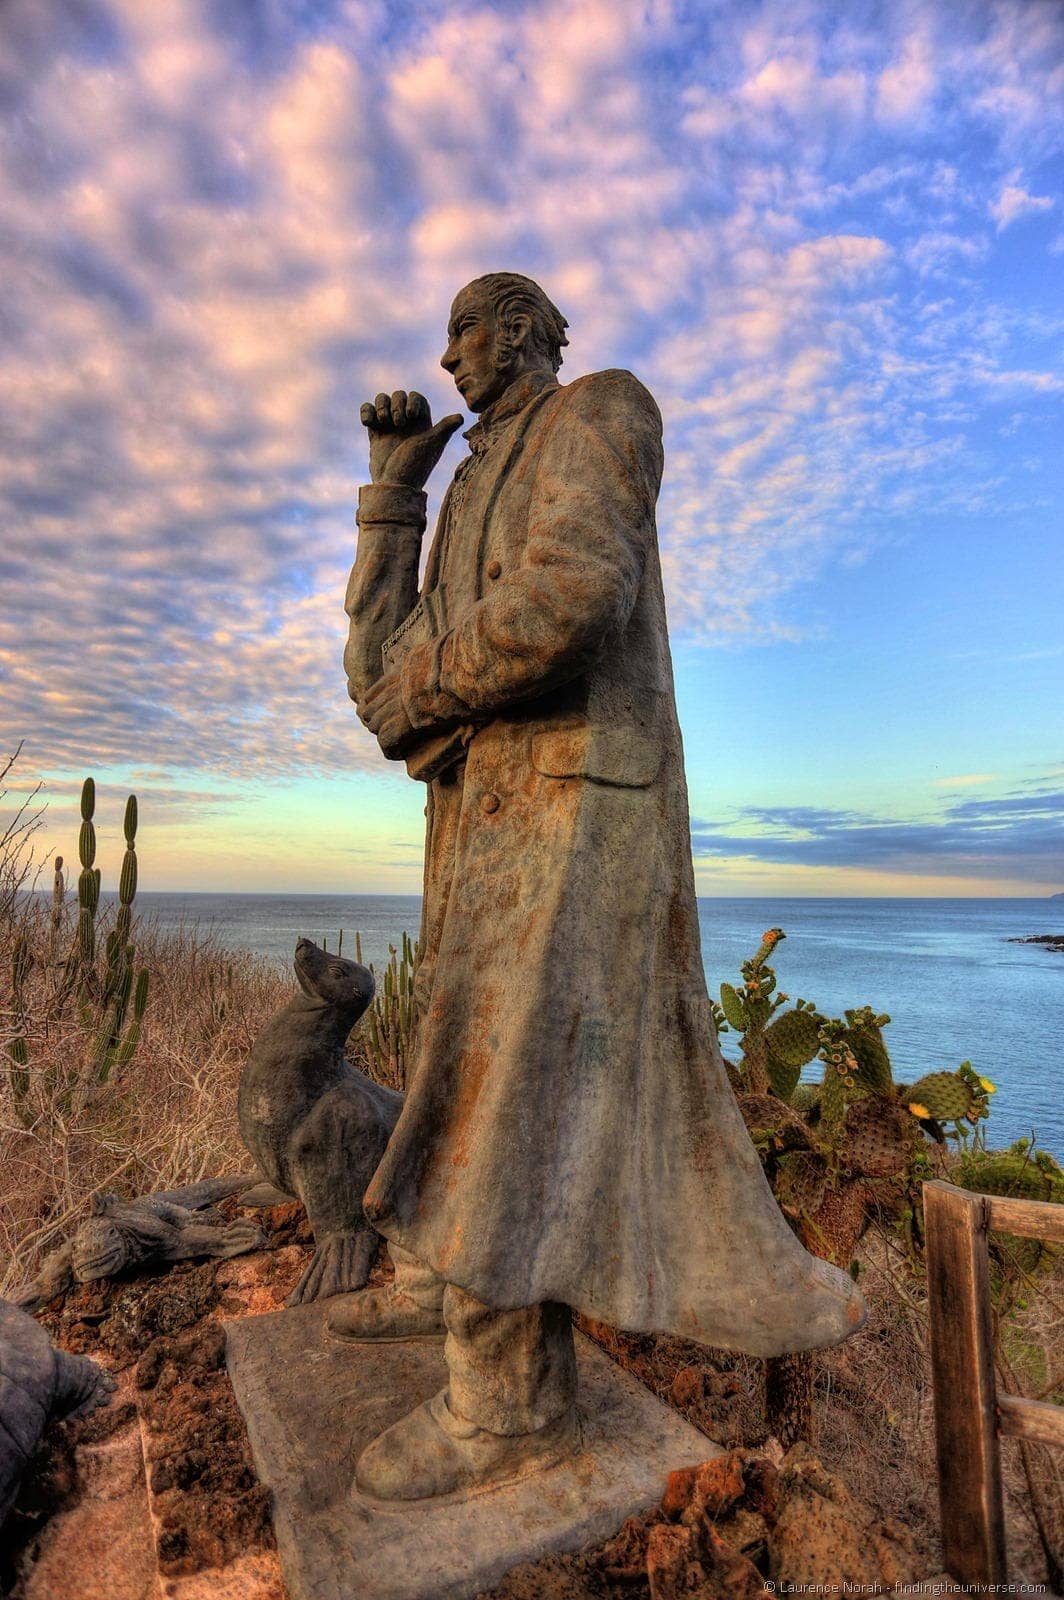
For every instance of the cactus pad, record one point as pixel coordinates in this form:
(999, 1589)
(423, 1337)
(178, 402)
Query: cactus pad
(801, 1182)
(782, 1075)
(793, 1039)
(733, 1008)
(873, 1062)
(878, 1139)
(805, 1097)
(944, 1096)
(764, 1113)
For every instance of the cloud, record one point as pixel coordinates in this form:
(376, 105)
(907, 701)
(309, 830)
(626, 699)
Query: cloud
(942, 254)
(1014, 202)
(1015, 837)
(225, 226)
(904, 88)
(965, 779)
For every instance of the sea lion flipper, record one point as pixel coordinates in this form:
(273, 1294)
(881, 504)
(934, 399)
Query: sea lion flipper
(341, 1263)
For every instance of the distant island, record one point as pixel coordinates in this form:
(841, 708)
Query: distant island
(1052, 941)
(1059, 896)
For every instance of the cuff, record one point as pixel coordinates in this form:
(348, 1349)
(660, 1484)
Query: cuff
(391, 502)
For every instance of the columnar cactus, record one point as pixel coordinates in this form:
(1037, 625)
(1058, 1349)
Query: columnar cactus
(89, 877)
(111, 1027)
(127, 883)
(390, 1021)
(55, 921)
(18, 1047)
(110, 995)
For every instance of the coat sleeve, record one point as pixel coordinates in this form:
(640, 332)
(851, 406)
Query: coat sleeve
(590, 524)
(382, 589)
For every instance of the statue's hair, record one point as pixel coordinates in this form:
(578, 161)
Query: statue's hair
(511, 293)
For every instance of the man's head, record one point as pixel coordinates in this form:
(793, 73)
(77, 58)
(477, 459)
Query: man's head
(501, 326)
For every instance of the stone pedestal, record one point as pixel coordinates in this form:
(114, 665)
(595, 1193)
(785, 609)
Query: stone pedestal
(312, 1405)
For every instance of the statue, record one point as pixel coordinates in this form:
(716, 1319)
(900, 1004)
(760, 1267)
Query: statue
(569, 1139)
(120, 1237)
(39, 1385)
(316, 1126)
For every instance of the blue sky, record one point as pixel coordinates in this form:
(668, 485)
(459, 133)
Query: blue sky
(830, 239)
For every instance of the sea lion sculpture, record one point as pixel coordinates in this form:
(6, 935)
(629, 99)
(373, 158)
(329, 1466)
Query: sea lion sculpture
(39, 1385)
(120, 1236)
(314, 1124)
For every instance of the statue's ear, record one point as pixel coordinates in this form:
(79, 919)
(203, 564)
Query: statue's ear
(518, 328)
(101, 1205)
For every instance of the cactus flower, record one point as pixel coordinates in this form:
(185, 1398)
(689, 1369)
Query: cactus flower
(918, 1110)
(985, 1083)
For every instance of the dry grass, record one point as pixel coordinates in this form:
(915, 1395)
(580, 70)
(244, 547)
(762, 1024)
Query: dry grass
(167, 1118)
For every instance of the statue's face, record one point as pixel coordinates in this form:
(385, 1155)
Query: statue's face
(472, 353)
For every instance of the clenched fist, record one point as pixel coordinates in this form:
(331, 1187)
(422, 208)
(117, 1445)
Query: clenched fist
(403, 444)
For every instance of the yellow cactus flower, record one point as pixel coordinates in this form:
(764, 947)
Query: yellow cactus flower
(918, 1110)
(991, 1088)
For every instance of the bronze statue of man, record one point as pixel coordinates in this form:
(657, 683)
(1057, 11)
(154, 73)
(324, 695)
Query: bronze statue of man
(569, 1140)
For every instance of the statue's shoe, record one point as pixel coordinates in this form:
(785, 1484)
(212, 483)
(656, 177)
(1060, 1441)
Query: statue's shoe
(382, 1314)
(432, 1452)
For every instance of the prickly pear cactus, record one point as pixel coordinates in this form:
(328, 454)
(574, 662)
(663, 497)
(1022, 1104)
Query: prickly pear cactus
(801, 1182)
(805, 1098)
(865, 1038)
(734, 1010)
(879, 1139)
(941, 1095)
(768, 1119)
(794, 1037)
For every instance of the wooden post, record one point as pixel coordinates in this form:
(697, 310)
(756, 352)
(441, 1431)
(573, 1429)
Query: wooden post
(962, 1364)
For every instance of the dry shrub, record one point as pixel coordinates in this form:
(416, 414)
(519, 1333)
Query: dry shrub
(167, 1118)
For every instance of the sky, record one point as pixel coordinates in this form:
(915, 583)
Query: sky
(829, 238)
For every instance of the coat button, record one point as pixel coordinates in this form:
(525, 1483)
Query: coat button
(489, 803)
(494, 569)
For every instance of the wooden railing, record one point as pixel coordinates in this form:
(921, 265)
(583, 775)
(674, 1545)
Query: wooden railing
(970, 1415)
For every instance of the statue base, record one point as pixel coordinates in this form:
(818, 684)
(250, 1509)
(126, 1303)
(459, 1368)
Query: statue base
(312, 1405)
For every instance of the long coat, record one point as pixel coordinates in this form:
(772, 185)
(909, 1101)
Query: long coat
(569, 1133)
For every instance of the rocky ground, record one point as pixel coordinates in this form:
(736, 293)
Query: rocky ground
(157, 1489)
(157, 1496)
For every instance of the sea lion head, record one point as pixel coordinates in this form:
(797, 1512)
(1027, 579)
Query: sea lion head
(344, 985)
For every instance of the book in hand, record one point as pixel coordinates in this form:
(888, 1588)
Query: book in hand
(428, 620)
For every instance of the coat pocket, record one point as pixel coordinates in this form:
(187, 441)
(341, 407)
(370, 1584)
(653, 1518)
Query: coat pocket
(625, 757)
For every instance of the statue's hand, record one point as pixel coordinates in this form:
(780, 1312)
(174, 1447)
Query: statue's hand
(403, 444)
(383, 712)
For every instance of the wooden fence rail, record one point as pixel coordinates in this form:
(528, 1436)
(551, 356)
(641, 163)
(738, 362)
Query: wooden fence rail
(970, 1415)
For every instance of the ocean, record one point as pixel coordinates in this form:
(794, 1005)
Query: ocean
(954, 986)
